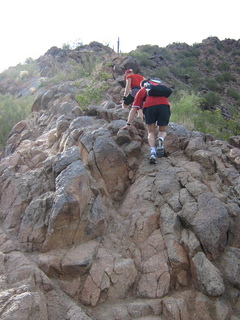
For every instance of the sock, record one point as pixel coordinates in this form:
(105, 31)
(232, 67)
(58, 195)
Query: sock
(161, 140)
(152, 150)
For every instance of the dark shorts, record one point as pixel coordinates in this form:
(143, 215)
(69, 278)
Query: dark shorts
(130, 97)
(160, 114)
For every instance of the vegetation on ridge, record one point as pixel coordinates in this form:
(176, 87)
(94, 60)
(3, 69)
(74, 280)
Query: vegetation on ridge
(205, 78)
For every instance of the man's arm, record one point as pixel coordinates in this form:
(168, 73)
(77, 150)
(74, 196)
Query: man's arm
(127, 87)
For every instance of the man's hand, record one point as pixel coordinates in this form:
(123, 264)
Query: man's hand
(126, 127)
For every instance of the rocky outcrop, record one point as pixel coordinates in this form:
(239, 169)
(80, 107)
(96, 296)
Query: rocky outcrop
(90, 230)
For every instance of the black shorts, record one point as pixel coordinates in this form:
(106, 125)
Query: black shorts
(128, 99)
(160, 114)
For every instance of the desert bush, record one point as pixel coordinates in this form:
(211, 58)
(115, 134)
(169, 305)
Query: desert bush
(233, 93)
(166, 54)
(74, 70)
(17, 73)
(12, 110)
(149, 49)
(211, 51)
(185, 111)
(103, 76)
(225, 77)
(189, 62)
(220, 78)
(227, 49)
(219, 46)
(209, 101)
(180, 71)
(160, 73)
(210, 122)
(184, 108)
(233, 126)
(90, 95)
(29, 60)
(224, 66)
(209, 64)
(143, 58)
(212, 84)
(236, 53)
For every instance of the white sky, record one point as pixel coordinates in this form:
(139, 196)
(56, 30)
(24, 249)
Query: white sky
(30, 28)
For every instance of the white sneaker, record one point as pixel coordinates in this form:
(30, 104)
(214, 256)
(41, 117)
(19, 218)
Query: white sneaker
(152, 158)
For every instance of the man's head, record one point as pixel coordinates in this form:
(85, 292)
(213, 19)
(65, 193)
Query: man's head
(127, 72)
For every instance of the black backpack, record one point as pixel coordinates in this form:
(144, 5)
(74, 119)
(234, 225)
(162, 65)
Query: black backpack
(156, 89)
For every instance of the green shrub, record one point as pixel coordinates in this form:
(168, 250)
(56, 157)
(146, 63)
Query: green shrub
(225, 77)
(220, 78)
(209, 64)
(184, 108)
(194, 75)
(166, 54)
(219, 46)
(211, 51)
(210, 122)
(143, 58)
(149, 49)
(233, 126)
(178, 71)
(103, 76)
(160, 73)
(224, 66)
(212, 84)
(236, 53)
(189, 62)
(13, 74)
(29, 60)
(233, 93)
(185, 111)
(74, 70)
(90, 95)
(12, 110)
(209, 100)
(227, 49)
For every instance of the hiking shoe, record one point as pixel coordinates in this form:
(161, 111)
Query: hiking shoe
(160, 152)
(152, 158)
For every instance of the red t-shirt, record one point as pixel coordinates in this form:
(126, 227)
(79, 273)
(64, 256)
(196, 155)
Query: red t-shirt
(142, 100)
(136, 79)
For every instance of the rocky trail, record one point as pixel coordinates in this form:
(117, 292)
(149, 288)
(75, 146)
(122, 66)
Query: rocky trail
(90, 230)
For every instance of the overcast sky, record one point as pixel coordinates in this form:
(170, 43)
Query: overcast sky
(30, 28)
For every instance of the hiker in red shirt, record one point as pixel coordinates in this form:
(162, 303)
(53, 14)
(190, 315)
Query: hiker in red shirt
(133, 81)
(156, 109)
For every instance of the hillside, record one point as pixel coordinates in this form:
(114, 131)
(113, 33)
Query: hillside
(89, 230)
(206, 74)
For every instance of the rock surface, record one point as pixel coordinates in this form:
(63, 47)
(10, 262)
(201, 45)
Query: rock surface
(90, 230)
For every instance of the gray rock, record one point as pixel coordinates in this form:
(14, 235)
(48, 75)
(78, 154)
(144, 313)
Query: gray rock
(208, 278)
